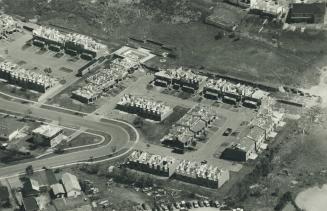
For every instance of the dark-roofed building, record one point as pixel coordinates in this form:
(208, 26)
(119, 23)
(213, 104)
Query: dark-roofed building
(311, 13)
(30, 204)
(239, 152)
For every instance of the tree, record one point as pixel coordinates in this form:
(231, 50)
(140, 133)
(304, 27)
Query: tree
(29, 170)
(113, 149)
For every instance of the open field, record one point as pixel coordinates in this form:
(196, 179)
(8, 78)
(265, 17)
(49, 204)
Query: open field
(292, 63)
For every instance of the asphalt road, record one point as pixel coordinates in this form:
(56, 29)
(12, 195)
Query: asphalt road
(119, 137)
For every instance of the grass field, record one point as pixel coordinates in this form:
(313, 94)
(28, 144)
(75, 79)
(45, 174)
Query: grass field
(293, 63)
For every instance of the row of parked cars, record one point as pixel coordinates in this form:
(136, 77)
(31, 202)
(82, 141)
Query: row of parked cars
(187, 205)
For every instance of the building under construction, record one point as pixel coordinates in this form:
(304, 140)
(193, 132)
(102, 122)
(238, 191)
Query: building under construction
(190, 128)
(179, 79)
(103, 81)
(201, 174)
(7, 26)
(144, 107)
(234, 93)
(151, 163)
(28, 79)
(72, 43)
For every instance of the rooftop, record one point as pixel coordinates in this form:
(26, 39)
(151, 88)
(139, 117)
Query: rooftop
(47, 130)
(70, 182)
(146, 104)
(197, 170)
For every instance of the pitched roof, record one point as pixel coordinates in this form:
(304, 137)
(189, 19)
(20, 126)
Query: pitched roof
(70, 182)
(57, 189)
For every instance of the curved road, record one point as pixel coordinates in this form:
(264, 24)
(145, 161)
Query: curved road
(119, 137)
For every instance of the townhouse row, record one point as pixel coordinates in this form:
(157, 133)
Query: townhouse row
(73, 44)
(222, 89)
(104, 80)
(144, 107)
(192, 126)
(16, 75)
(184, 170)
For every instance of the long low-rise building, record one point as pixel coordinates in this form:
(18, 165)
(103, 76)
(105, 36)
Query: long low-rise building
(103, 80)
(73, 43)
(201, 174)
(179, 78)
(234, 93)
(25, 78)
(184, 170)
(151, 163)
(144, 107)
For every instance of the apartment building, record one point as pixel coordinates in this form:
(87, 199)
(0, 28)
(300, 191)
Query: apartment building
(151, 163)
(102, 81)
(144, 107)
(201, 174)
(179, 79)
(73, 44)
(233, 93)
(14, 74)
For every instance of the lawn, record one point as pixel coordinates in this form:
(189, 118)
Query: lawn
(153, 132)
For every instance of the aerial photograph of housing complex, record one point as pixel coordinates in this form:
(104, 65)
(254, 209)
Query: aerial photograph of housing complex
(163, 105)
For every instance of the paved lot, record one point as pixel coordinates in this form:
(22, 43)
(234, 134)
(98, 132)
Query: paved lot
(230, 117)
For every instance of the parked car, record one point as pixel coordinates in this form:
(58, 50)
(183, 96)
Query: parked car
(183, 204)
(227, 132)
(195, 204)
(189, 205)
(206, 203)
(177, 205)
(217, 204)
(201, 204)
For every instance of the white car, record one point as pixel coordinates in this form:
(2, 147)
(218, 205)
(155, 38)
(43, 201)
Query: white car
(195, 204)
(206, 203)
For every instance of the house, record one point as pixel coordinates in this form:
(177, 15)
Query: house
(71, 185)
(311, 13)
(4, 196)
(30, 204)
(9, 128)
(241, 151)
(57, 190)
(46, 133)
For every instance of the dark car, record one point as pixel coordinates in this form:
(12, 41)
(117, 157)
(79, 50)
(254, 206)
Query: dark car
(188, 205)
(227, 132)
